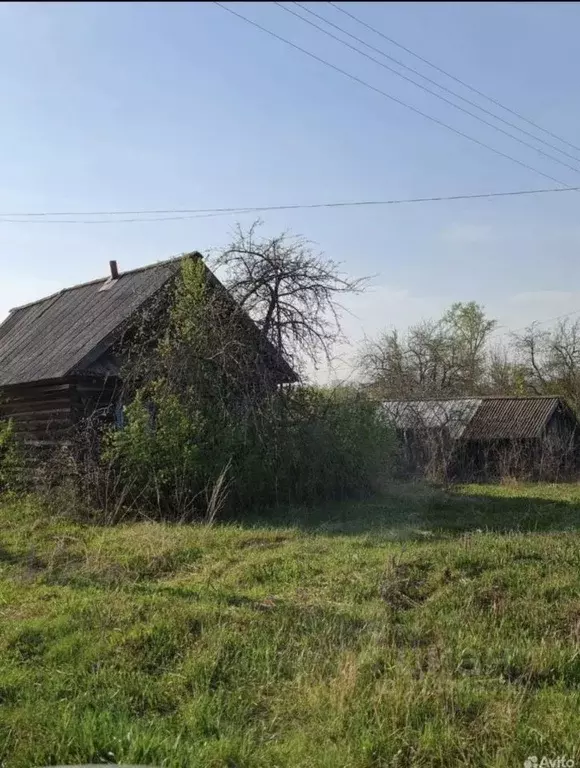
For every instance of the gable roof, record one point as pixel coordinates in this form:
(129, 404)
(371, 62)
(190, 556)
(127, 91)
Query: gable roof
(485, 418)
(66, 332)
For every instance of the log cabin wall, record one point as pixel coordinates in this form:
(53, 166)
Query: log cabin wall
(58, 355)
(41, 413)
(51, 416)
(94, 398)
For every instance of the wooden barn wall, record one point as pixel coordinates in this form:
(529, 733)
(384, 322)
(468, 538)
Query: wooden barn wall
(553, 456)
(47, 414)
(93, 399)
(41, 413)
(564, 428)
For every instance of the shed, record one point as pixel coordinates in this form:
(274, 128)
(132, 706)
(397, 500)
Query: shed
(487, 437)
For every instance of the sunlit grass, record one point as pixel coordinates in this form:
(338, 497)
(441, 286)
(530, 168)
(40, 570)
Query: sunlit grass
(420, 629)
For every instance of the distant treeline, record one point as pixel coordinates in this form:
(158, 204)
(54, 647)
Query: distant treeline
(460, 355)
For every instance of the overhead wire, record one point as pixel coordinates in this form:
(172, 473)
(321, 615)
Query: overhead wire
(41, 218)
(198, 213)
(207, 212)
(452, 77)
(399, 63)
(428, 90)
(389, 96)
(386, 95)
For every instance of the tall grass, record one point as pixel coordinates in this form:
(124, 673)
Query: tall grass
(265, 646)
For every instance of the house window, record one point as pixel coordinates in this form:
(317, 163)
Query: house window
(119, 414)
(120, 418)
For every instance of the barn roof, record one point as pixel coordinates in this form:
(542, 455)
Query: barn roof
(453, 415)
(68, 331)
(512, 417)
(485, 418)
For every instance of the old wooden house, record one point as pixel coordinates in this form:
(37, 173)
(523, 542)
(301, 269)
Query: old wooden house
(61, 357)
(487, 438)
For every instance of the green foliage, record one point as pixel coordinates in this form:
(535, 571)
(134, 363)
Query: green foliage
(157, 454)
(458, 355)
(315, 444)
(209, 415)
(390, 632)
(187, 329)
(306, 446)
(446, 357)
(190, 301)
(9, 464)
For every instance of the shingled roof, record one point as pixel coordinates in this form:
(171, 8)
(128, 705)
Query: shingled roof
(484, 418)
(66, 332)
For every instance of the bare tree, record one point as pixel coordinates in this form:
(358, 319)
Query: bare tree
(289, 290)
(444, 357)
(551, 360)
(384, 364)
(505, 375)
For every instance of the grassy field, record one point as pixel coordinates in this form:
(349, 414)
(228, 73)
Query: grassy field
(421, 629)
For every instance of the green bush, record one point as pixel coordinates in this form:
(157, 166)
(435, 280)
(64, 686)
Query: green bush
(156, 456)
(297, 447)
(9, 465)
(314, 444)
(206, 427)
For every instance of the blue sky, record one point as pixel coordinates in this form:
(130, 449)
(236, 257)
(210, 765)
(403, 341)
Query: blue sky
(137, 106)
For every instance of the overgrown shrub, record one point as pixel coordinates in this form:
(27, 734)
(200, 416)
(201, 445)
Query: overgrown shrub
(314, 444)
(298, 447)
(207, 429)
(9, 464)
(157, 455)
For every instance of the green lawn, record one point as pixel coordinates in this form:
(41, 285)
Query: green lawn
(420, 629)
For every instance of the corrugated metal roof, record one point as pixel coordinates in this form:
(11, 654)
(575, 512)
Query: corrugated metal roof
(453, 415)
(69, 330)
(486, 418)
(511, 417)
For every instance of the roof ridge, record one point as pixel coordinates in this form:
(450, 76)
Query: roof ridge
(471, 397)
(432, 399)
(69, 330)
(520, 397)
(164, 262)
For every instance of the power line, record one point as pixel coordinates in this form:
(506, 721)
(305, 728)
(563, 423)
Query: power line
(433, 82)
(424, 88)
(453, 77)
(198, 213)
(386, 95)
(41, 218)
